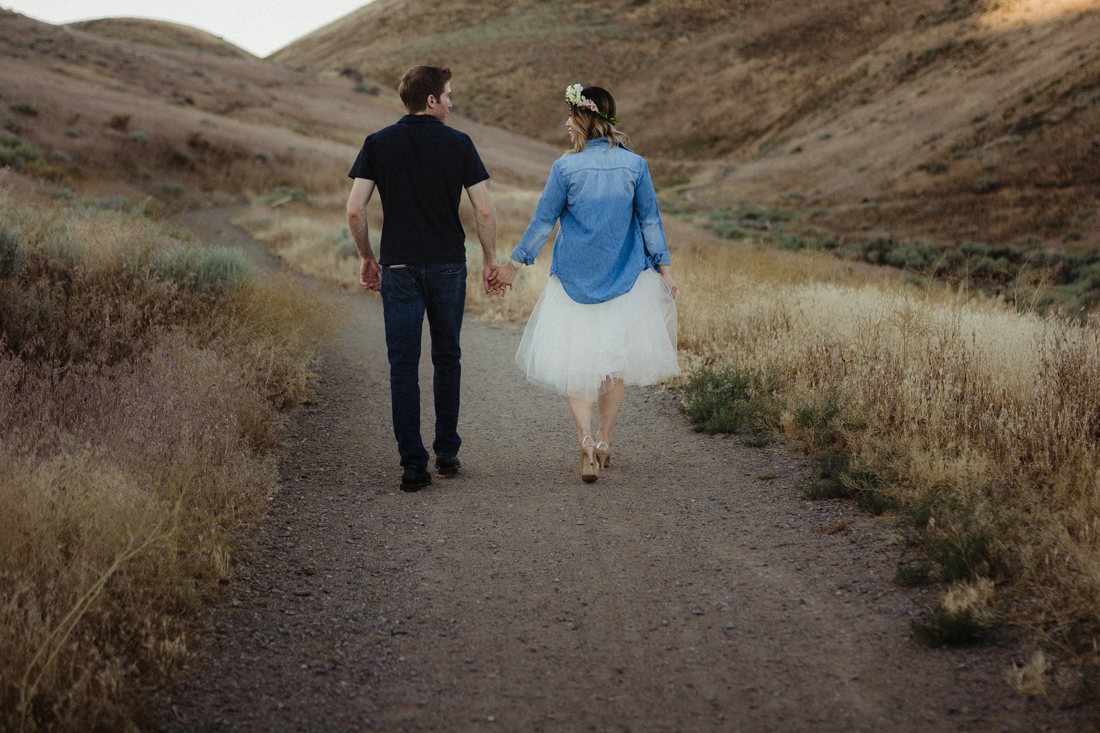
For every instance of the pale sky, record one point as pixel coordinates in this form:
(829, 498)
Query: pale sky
(259, 26)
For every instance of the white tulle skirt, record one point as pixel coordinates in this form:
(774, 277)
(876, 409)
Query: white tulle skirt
(576, 349)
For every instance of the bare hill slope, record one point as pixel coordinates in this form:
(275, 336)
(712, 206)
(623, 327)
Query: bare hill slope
(189, 127)
(949, 118)
(162, 34)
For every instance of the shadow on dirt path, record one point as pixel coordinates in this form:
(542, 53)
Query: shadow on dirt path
(690, 588)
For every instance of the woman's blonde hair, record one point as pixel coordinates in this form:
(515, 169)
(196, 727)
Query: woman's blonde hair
(589, 125)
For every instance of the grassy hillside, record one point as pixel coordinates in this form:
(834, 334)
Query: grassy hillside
(946, 119)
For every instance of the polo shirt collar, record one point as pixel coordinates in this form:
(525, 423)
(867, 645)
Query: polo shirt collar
(420, 119)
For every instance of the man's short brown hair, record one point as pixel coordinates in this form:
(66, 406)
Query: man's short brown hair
(421, 82)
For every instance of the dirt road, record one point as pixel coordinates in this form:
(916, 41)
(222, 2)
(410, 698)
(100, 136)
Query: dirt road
(690, 588)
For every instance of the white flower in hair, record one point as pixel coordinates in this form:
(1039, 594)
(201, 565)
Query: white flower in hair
(574, 97)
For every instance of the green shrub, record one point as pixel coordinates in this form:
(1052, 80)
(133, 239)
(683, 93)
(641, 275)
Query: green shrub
(12, 254)
(960, 533)
(819, 420)
(878, 250)
(1087, 287)
(751, 212)
(726, 400)
(36, 169)
(171, 189)
(826, 480)
(869, 487)
(282, 192)
(837, 476)
(342, 245)
(17, 152)
(203, 269)
(913, 575)
(726, 229)
(934, 167)
(793, 242)
(962, 551)
(24, 108)
(113, 203)
(914, 256)
(673, 182)
(985, 185)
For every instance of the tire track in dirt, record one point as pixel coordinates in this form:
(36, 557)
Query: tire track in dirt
(690, 588)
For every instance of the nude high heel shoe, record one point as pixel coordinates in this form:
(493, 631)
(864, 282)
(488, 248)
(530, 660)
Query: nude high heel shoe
(603, 453)
(589, 466)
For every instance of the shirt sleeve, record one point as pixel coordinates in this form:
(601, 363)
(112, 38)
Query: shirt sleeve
(364, 163)
(474, 171)
(649, 220)
(549, 209)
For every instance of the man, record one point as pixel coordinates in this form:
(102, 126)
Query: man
(420, 166)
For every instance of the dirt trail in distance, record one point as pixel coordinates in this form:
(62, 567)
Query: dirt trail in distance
(690, 588)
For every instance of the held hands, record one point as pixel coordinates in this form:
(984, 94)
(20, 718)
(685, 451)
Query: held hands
(501, 280)
(488, 274)
(370, 276)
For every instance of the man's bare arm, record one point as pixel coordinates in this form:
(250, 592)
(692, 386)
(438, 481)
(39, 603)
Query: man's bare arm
(370, 274)
(486, 230)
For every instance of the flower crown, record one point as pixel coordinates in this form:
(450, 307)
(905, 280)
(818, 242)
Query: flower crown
(574, 97)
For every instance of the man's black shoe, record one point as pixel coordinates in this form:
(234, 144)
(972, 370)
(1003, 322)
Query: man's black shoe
(448, 466)
(414, 479)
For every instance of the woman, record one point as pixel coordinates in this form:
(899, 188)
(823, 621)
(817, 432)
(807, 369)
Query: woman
(607, 317)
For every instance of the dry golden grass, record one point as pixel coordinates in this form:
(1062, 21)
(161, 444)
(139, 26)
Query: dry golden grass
(989, 416)
(137, 427)
(312, 238)
(1030, 678)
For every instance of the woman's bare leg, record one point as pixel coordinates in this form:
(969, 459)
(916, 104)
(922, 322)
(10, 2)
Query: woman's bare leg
(582, 416)
(608, 408)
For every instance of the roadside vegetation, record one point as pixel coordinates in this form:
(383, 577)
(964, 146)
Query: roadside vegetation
(974, 421)
(142, 374)
(1022, 272)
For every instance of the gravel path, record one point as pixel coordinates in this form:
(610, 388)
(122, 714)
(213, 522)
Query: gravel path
(690, 588)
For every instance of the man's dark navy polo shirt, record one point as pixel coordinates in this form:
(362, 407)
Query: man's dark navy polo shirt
(420, 167)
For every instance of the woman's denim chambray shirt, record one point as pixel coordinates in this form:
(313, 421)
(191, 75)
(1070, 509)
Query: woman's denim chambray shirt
(610, 227)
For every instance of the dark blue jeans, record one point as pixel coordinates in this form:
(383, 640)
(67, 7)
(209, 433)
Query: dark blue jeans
(407, 294)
